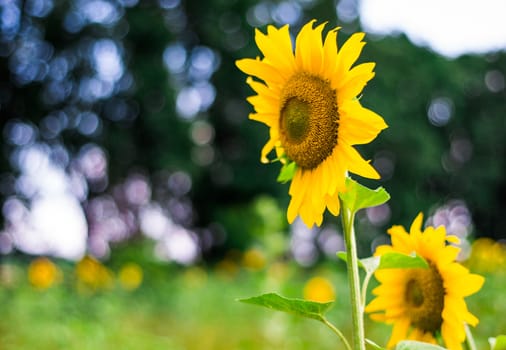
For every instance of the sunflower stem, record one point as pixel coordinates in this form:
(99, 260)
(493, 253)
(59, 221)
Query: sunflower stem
(348, 218)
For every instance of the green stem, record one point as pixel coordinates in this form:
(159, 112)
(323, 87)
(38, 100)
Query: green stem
(365, 283)
(338, 332)
(469, 339)
(348, 218)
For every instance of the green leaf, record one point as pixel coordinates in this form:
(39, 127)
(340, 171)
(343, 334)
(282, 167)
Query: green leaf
(373, 345)
(342, 255)
(359, 197)
(498, 343)
(395, 260)
(299, 307)
(416, 345)
(287, 172)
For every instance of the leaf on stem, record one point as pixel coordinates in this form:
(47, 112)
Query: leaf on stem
(416, 345)
(359, 197)
(498, 343)
(287, 172)
(299, 307)
(394, 260)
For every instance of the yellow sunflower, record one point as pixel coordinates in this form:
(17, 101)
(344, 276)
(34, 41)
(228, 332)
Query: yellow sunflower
(308, 99)
(423, 303)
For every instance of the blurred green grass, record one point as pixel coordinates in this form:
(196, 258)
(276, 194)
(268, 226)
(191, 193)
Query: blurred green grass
(195, 308)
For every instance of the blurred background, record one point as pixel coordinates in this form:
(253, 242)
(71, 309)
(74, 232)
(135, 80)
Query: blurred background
(134, 206)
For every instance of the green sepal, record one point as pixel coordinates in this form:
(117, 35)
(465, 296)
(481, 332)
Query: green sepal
(299, 307)
(417, 345)
(287, 172)
(359, 197)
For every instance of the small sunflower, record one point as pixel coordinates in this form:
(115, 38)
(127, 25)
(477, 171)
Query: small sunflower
(423, 303)
(308, 99)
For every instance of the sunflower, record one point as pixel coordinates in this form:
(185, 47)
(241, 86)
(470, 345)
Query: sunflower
(308, 99)
(424, 303)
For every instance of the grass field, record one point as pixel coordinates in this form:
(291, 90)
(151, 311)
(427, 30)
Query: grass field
(193, 308)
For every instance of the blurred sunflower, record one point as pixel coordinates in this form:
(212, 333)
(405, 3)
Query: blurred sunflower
(421, 303)
(319, 289)
(43, 273)
(92, 275)
(130, 276)
(308, 98)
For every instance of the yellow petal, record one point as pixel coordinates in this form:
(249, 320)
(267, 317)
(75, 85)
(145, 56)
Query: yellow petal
(263, 104)
(382, 249)
(266, 150)
(277, 49)
(451, 340)
(399, 331)
(260, 69)
(378, 317)
(453, 239)
(330, 53)
(262, 89)
(455, 312)
(359, 125)
(354, 82)
(420, 335)
(349, 53)
(416, 226)
(268, 119)
(401, 241)
(309, 215)
(332, 203)
(309, 48)
(297, 191)
(357, 165)
(459, 282)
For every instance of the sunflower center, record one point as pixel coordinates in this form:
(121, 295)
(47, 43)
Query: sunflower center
(295, 119)
(424, 296)
(309, 119)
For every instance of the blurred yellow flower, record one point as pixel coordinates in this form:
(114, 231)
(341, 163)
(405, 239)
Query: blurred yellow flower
(228, 267)
(43, 273)
(421, 303)
(308, 99)
(130, 276)
(92, 275)
(253, 259)
(319, 289)
(487, 256)
(195, 277)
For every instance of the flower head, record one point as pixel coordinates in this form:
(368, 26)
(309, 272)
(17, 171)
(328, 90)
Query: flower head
(43, 273)
(319, 289)
(308, 99)
(92, 275)
(421, 303)
(130, 276)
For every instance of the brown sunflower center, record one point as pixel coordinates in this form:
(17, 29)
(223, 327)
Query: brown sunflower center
(309, 119)
(424, 297)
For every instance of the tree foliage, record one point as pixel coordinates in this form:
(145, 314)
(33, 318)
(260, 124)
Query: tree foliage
(175, 102)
